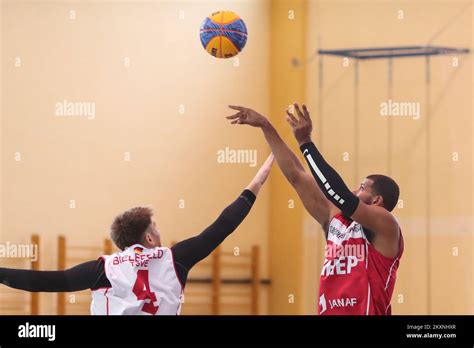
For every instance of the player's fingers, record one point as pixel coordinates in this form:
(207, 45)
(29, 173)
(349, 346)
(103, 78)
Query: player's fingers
(291, 122)
(236, 107)
(239, 121)
(234, 116)
(291, 117)
(306, 112)
(298, 111)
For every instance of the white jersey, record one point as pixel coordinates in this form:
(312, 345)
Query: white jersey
(143, 282)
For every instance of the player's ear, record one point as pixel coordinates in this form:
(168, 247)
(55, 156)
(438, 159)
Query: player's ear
(377, 200)
(147, 238)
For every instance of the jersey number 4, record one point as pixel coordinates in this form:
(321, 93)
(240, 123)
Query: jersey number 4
(143, 292)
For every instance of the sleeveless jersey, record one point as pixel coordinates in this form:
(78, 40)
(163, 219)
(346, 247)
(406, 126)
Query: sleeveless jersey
(143, 282)
(356, 279)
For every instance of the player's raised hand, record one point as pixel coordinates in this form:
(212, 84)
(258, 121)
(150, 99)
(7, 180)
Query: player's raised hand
(261, 175)
(301, 125)
(246, 116)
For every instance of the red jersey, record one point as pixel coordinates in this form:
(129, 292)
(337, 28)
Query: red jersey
(356, 279)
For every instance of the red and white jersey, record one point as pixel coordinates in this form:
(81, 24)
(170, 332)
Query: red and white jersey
(143, 282)
(356, 279)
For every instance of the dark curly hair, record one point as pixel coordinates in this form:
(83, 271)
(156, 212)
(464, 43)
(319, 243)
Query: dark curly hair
(129, 227)
(387, 188)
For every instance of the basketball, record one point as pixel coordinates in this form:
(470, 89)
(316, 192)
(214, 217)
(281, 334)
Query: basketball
(223, 34)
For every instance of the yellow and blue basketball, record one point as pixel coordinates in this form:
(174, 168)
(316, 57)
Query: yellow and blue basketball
(223, 34)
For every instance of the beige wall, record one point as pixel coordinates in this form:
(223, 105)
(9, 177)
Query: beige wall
(286, 225)
(173, 155)
(340, 24)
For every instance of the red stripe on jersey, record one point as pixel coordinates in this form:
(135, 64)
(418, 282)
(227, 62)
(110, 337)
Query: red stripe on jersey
(342, 218)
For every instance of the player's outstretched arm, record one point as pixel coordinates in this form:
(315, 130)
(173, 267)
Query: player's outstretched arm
(261, 176)
(80, 277)
(376, 218)
(313, 199)
(190, 251)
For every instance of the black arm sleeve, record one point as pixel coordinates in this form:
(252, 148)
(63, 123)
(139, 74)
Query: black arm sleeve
(87, 275)
(329, 181)
(190, 251)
